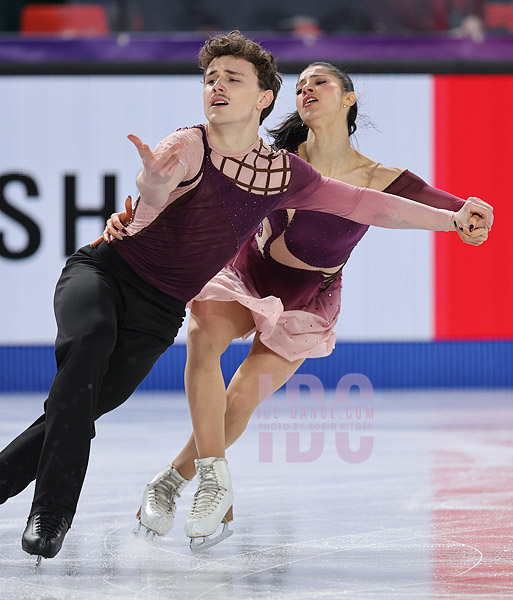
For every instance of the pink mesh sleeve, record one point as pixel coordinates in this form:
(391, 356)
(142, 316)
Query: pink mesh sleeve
(189, 163)
(370, 207)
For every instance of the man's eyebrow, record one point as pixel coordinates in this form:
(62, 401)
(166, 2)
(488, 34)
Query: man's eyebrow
(314, 75)
(234, 73)
(209, 73)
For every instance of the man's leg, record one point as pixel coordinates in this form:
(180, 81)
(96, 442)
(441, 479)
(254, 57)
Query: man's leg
(132, 359)
(111, 331)
(19, 460)
(142, 330)
(86, 310)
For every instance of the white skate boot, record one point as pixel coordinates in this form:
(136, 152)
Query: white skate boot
(158, 507)
(212, 505)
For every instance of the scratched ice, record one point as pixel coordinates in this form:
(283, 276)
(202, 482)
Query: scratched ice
(406, 495)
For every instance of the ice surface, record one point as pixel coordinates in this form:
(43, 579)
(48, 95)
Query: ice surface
(424, 511)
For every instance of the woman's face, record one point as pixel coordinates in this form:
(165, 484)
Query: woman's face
(318, 94)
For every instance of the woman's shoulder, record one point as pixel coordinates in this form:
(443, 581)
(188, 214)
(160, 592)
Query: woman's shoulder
(384, 176)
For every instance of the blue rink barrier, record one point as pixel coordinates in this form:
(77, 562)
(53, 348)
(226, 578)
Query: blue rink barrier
(388, 365)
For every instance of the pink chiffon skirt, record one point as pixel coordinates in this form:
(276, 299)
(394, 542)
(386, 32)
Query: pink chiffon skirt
(292, 334)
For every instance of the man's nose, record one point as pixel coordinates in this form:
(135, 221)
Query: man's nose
(218, 84)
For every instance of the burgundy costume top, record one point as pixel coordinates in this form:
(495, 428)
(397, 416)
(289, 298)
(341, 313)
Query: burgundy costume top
(197, 234)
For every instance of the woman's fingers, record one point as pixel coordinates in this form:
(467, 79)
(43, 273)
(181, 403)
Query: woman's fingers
(471, 208)
(480, 208)
(129, 211)
(115, 226)
(474, 237)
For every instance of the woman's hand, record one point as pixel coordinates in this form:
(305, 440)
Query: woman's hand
(473, 221)
(115, 227)
(477, 236)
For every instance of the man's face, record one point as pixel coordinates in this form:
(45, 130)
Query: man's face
(231, 93)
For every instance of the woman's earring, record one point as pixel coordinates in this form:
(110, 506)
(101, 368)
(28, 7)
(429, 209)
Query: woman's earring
(345, 105)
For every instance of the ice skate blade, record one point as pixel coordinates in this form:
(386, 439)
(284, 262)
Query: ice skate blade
(199, 544)
(142, 531)
(38, 561)
(137, 529)
(150, 534)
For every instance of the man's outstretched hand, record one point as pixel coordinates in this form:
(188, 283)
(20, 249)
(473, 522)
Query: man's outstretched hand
(157, 170)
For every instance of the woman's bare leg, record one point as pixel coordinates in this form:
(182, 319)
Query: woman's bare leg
(242, 398)
(184, 462)
(212, 326)
(243, 391)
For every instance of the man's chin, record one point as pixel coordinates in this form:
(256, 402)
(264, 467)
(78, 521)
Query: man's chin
(218, 117)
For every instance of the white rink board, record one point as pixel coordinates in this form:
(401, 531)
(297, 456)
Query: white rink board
(55, 126)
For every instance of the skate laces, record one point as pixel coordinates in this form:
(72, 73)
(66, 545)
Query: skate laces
(209, 492)
(163, 492)
(48, 524)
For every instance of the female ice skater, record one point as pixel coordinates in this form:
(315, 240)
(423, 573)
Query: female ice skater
(286, 283)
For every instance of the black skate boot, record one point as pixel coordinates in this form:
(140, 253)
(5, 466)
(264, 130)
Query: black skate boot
(44, 535)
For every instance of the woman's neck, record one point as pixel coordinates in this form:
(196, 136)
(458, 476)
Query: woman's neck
(328, 150)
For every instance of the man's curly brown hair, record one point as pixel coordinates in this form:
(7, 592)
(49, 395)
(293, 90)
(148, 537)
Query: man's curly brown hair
(235, 44)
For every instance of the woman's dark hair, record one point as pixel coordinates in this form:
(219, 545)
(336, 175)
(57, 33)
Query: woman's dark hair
(292, 131)
(235, 44)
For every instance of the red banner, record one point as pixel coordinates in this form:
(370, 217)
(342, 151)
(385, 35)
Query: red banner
(473, 146)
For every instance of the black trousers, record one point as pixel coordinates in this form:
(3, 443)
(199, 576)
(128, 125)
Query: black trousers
(112, 327)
